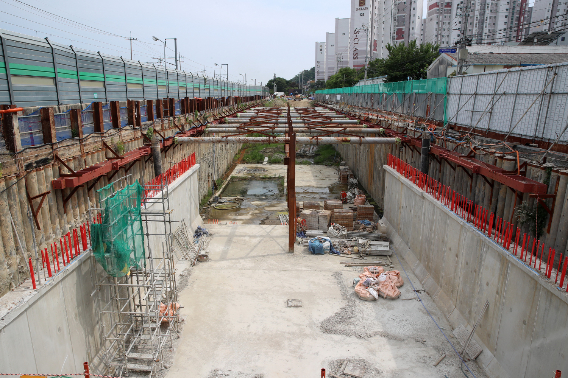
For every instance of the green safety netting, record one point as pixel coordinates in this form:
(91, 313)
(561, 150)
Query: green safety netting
(117, 238)
(437, 85)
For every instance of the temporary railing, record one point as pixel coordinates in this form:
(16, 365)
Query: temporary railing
(156, 184)
(504, 233)
(70, 246)
(75, 242)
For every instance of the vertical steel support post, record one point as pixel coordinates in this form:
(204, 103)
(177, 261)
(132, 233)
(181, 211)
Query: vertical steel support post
(115, 114)
(11, 130)
(48, 125)
(131, 112)
(137, 114)
(291, 186)
(98, 121)
(76, 122)
(150, 110)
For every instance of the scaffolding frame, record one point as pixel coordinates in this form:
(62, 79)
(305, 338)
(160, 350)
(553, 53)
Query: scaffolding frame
(138, 312)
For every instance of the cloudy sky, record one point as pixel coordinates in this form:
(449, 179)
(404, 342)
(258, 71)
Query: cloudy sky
(256, 38)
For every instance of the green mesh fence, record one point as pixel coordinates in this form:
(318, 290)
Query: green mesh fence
(438, 85)
(118, 239)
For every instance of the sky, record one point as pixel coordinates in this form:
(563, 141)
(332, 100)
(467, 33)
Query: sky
(256, 38)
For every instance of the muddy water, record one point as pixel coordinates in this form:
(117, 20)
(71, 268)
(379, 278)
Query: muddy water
(264, 199)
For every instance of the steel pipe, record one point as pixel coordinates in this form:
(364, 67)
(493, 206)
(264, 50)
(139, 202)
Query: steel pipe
(283, 121)
(280, 130)
(299, 140)
(295, 125)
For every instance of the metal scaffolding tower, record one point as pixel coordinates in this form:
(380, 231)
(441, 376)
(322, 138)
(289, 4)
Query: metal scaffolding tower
(138, 311)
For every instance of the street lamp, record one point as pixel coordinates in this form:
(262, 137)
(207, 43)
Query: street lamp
(176, 49)
(224, 64)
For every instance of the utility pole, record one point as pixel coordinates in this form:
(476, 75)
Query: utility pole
(176, 51)
(462, 50)
(131, 39)
(274, 85)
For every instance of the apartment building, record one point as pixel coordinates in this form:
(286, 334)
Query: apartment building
(342, 30)
(320, 61)
(549, 15)
(330, 58)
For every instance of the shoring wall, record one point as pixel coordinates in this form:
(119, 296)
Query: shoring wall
(524, 331)
(367, 162)
(57, 327)
(31, 171)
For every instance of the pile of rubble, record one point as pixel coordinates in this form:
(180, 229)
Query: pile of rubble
(375, 282)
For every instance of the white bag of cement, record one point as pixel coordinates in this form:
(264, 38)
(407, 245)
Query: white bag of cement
(373, 292)
(326, 247)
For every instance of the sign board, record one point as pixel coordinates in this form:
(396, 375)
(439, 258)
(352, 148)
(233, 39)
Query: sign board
(447, 51)
(360, 28)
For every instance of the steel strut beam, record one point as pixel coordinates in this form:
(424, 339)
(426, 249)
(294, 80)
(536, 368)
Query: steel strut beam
(514, 181)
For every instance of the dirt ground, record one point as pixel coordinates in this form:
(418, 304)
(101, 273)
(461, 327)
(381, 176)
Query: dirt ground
(256, 311)
(300, 104)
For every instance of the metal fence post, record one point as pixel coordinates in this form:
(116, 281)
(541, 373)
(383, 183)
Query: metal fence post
(125, 78)
(7, 64)
(78, 75)
(54, 70)
(104, 75)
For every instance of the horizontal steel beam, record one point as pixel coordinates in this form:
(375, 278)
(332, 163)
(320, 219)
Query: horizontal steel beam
(299, 140)
(306, 130)
(284, 121)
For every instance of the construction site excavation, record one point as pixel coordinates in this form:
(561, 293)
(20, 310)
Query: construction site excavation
(355, 235)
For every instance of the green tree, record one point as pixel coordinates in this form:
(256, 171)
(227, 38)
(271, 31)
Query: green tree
(308, 75)
(406, 62)
(281, 84)
(316, 85)
(345, 77)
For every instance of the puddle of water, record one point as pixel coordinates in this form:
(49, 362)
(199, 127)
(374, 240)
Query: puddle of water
(252, 188)
(263, 200)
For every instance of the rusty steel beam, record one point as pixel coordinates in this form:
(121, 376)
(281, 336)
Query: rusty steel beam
(294, 121)
(299, 140)
(281, 130)
(487, 171)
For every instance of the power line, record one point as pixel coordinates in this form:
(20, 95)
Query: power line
(58, 36)
(61, 30)
(69, 20)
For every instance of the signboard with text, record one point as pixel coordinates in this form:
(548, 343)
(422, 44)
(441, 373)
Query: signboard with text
(360, 28)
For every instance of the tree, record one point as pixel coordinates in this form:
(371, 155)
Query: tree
(308, 75)
(407, 62)
(281, 85)
(316, 85)
(345, 77)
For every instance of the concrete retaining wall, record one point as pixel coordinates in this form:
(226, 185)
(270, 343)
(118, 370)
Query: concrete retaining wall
(56, 328)
(524, 332)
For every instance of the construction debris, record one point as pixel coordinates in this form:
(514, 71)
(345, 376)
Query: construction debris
(375, 281)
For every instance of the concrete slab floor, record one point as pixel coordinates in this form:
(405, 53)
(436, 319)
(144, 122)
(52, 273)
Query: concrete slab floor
(237, 322)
